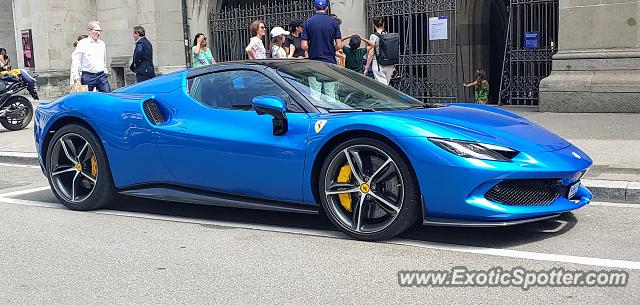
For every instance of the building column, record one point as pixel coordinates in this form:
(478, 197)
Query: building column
(597, 68)
(7, 32)
(353, 14)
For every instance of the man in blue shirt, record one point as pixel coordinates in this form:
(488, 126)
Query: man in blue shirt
(321, 38)
(321, 34)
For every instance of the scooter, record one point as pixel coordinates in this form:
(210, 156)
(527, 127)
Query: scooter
(16, 111)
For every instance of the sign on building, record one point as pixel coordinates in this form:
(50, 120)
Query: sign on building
(438, 28)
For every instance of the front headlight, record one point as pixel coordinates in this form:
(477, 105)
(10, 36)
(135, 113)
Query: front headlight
(476, 150)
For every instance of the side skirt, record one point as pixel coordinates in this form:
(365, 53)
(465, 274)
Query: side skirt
(175, 193)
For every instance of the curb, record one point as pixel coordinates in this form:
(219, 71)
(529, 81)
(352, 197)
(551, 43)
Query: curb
(617, 191)
(603, 190)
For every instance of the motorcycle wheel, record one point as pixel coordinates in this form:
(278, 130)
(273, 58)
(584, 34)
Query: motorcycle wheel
(18, 115)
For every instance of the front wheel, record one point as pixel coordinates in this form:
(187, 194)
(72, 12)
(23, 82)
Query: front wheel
(18, 113)
(78, 169)
(368, 191)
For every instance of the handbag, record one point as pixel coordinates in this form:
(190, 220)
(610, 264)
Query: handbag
(79, 88)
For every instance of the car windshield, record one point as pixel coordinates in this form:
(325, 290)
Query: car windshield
(334, 89)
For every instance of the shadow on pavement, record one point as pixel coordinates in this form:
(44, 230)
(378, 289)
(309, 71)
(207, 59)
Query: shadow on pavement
(500, 237)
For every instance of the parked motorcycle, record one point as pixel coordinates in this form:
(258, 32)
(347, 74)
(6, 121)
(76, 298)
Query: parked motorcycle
(16, 111)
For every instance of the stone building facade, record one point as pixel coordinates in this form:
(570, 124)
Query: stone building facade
(55, 25)
(598, 66)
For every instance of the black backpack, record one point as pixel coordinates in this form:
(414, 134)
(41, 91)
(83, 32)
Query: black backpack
(388, 48)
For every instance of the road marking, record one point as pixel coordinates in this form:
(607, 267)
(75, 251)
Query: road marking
(23, 192)
(19, 165)
(591, 261)
(616, 205)
(537, 256)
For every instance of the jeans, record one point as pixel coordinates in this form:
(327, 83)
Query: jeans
(317, 89)
(96, 80)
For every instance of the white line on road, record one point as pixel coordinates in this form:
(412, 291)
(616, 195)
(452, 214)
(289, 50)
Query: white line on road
(23, 192)
(19, 165)
(616, 205)
(537, 256)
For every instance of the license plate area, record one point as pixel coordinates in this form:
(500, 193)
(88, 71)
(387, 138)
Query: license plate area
(573, 189)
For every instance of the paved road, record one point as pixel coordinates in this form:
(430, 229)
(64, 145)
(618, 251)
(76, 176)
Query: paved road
(152, 252)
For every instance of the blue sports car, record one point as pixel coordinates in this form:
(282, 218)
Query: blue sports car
(305, 136)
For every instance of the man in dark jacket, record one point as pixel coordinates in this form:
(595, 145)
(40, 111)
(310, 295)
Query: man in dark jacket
(142, 63)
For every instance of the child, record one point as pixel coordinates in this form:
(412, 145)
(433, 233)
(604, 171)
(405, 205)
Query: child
(354, 53)
(482, 87)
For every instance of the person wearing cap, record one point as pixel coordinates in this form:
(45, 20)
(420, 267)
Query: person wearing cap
(293, 43)
(321, 36)
(277, 42)
(255, 49)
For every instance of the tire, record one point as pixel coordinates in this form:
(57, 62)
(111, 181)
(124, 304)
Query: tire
(379, 201)
(72, 183)
(25, 114)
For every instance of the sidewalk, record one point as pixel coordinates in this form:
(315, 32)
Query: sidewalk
(612, 140)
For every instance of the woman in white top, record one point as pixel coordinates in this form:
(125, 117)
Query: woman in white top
(277, 42)
(255, 49)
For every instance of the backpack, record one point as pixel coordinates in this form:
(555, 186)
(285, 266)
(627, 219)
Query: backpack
(388, 48)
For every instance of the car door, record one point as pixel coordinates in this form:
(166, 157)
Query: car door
(216, 141)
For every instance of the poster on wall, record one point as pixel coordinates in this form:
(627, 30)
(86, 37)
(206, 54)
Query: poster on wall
(27, 48)
(438, 28)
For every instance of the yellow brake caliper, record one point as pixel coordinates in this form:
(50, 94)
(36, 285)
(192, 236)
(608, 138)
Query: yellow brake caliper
(345, 176)
(94, 166)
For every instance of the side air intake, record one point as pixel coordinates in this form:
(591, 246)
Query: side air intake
(152, 112)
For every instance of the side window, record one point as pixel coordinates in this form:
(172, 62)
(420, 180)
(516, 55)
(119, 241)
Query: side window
(235, 89)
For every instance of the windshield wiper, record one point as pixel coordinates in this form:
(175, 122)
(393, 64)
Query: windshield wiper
(425, 106)
(351, 110)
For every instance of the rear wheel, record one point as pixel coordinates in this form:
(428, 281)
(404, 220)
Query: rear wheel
(368, 190)
(19, 112)
(78, 169)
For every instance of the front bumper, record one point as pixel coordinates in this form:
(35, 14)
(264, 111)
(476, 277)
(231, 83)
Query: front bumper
(454, 188)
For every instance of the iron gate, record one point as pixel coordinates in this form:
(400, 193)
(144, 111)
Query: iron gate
(531, 42)
(229, 26)
(427, 68)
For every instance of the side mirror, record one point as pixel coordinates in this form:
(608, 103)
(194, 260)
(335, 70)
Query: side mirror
(275, 107)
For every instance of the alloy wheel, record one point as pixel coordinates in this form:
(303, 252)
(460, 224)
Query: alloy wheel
(74, 168)
(364, 189)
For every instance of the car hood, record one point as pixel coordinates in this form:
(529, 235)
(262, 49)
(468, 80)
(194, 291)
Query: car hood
(495, 127)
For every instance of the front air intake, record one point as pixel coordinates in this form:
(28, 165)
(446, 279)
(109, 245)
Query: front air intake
(526, 192)
(152, 111)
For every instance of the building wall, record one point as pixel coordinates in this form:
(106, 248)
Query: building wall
(598, 65)
(7, 32)
(353, 14)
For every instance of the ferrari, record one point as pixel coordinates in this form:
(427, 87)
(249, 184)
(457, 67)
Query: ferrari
(309, 137)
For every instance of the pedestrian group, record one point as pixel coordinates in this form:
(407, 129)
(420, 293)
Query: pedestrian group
(317, 38)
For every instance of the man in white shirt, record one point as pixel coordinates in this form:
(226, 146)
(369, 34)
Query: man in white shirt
(89, 60)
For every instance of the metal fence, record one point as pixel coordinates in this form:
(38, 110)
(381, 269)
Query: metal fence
(427, 68)
(530, 45)
(229, 26)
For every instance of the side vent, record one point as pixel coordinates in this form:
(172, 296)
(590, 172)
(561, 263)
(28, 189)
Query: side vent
(152, 112)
